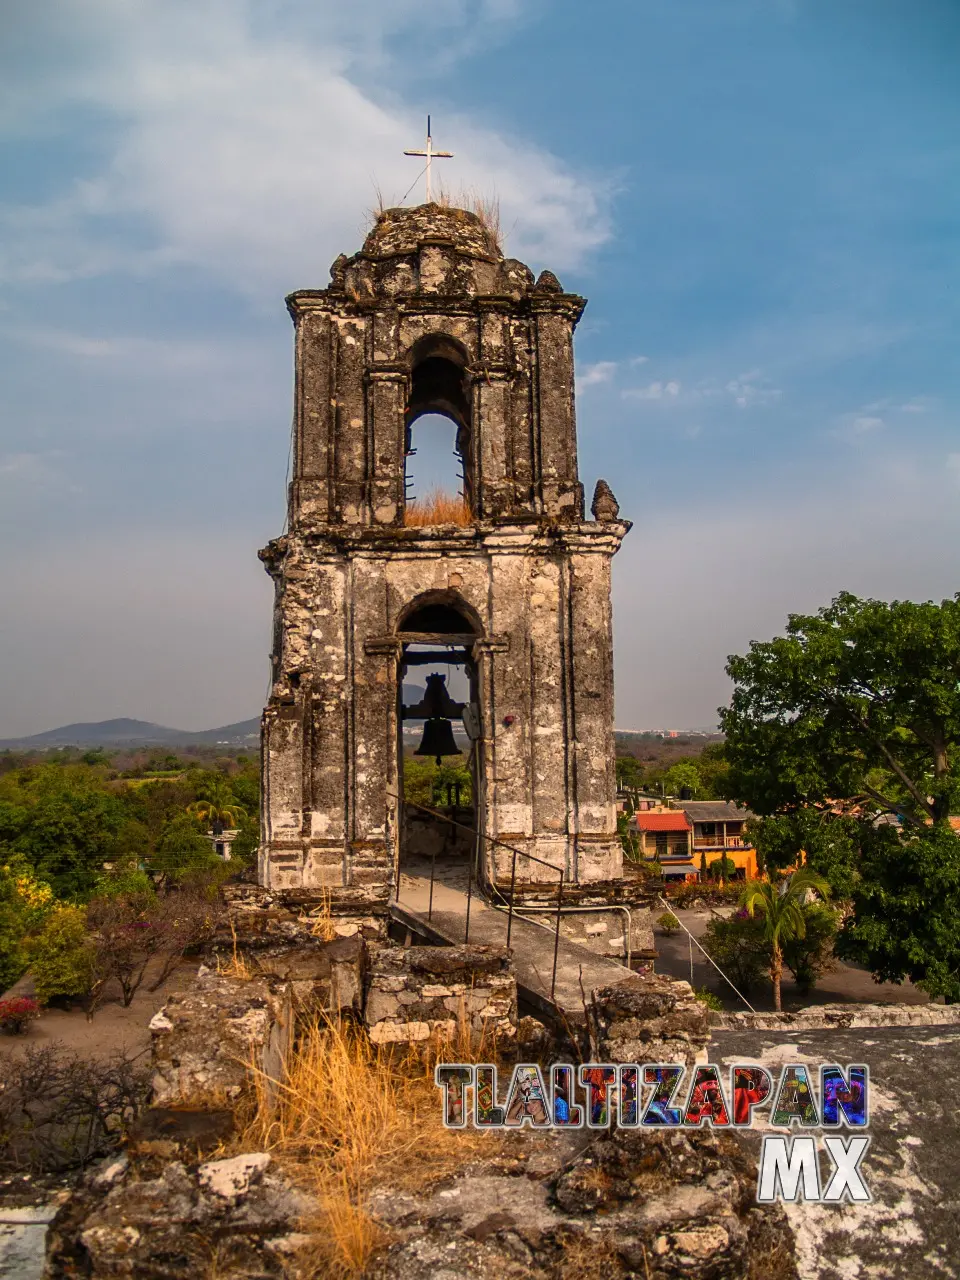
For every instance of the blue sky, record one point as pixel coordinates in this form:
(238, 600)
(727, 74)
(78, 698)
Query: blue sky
(758, 197)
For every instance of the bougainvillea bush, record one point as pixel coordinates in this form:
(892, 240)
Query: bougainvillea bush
(16, 1013)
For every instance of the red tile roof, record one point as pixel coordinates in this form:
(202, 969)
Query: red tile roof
(674, 821)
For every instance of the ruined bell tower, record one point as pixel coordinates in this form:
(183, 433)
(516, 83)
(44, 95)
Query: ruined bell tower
(429, 317)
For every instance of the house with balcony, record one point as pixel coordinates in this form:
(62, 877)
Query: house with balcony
(718, 832)
(666, 836)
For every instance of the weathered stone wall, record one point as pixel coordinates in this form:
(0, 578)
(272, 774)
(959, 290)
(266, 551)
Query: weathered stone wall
(426, 837)
(416, 992)
(648, 1018)
(158, 1220)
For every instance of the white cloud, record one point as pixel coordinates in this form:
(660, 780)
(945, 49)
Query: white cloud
(637, 360)
(863, 423)
(592, 374)
(750, 389)
(250, 150)
(662, 391)
(33, 470)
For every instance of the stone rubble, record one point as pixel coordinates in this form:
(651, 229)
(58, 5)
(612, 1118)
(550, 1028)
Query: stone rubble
(206, 1039)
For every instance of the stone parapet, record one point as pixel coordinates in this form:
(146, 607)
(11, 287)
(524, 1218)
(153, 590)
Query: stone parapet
(842, 1015)
(648, 1018)
(414, 993)
(208, 1039)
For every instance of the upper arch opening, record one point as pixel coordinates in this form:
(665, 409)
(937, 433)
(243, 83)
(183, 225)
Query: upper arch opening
(439, 388)
(441, 613)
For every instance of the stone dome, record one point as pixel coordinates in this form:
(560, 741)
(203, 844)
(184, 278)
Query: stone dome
(403, 230)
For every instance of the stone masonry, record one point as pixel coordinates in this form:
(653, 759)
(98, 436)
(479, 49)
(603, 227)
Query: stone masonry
(430, 317)
(648, 1019)
(416, 992)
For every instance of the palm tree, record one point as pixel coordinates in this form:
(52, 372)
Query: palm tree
(782, 907)
(217, 804)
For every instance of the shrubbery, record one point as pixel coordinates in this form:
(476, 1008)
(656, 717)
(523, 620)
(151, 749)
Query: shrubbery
(668, 922)
(737, 946)
(61, 955)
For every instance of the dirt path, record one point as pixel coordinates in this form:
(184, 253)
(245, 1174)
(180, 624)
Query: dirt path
(112, 1028)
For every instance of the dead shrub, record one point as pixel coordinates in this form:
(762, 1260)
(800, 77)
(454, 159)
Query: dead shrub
(60, 1111)
(237, 966)
(321, 918)
(588, 1258)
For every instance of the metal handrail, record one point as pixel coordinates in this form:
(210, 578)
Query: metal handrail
(436, 813)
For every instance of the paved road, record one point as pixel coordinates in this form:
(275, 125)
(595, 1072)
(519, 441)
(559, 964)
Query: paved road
(844, 983)
(912, 1228)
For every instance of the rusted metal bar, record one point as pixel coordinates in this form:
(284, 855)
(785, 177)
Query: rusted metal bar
(466, 928)
(556, 937)
(513, 885)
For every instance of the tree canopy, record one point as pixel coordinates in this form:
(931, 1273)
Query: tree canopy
(844, 735)
(859, 703)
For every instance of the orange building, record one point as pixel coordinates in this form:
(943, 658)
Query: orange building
(718, 832)
(666, 836)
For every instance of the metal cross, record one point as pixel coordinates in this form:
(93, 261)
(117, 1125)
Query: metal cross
(430, 155)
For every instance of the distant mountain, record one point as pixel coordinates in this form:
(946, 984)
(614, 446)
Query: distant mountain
(138, 733)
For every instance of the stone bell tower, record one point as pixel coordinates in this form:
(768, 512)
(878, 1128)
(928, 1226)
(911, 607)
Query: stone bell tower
(430, 317)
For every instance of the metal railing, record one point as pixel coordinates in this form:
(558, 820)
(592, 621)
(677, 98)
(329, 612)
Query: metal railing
(517, 853)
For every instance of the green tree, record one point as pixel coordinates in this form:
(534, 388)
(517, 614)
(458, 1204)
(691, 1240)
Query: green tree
(217, 803)
(810, 956)
(721, 869)
(906, 909)
(781, 907)
(182, 851)
(858, 703)
(827, 842)
(737, 945)
(844, 735)
(682, 776)
(25, 902)
(713, 768)
(629, 773)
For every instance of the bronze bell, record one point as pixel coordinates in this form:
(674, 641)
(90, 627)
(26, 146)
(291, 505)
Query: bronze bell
(438, 739)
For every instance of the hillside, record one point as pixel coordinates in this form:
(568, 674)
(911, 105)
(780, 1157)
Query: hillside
(127, 732)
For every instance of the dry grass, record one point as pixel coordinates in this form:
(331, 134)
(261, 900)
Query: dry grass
(486, 208)
(347, 1117)
(321, 918)
(437, 507)
(587, 1258)
(237, 966)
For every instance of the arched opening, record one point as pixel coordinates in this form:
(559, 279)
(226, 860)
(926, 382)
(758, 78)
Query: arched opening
(439, 722)
(438, 433)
